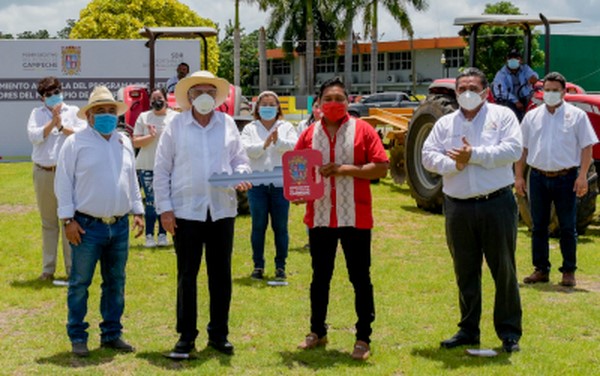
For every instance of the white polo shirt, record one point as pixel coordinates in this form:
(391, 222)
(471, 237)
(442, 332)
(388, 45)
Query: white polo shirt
(554, 141)
(495, 137)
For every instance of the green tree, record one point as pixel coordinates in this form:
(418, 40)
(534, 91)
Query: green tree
(306, 24)
(40, 34)
(494, 42)
(397, 9)
(6, 36)
(65, 31)
(248, 57)
(122, 19)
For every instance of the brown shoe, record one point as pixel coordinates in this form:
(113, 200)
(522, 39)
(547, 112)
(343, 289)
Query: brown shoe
(311, 341)
(46, 277)
(537, 276)
(361, 351)
(568, 279)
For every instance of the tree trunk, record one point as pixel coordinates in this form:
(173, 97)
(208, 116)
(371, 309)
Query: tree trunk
(262, 60)
(310, 51)
(236, 45)
(374, 49)
(348, 59)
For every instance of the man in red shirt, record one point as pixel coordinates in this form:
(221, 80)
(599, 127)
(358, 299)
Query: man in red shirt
(353, 155)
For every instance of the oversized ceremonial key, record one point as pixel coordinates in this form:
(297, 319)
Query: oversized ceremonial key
(274, 177)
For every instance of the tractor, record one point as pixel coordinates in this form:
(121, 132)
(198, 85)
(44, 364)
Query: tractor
(426, 187)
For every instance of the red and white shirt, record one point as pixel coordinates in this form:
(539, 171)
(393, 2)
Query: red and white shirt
(347, 200)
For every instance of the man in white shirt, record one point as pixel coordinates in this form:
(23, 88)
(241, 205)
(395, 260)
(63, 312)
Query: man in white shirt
(96, 187)
(47, 128)
(473, 149)
(557, 139)
(200, 142)
(183, 69)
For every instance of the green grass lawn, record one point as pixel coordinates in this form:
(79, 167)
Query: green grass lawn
(415, 297)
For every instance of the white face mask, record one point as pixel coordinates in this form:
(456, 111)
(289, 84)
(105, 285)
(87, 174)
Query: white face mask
(204, 104)
(552, 98)
(469, 100)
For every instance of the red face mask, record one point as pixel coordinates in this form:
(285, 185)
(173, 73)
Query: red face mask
(333, 111)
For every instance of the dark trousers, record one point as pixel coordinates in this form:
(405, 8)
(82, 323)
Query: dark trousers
(189, 240)
(356, 244)
(543, 191)
(475, 229)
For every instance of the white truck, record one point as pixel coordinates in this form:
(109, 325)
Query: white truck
(79, 65)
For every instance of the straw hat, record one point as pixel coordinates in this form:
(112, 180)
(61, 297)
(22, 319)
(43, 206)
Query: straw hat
(198, 78)
(100, 96)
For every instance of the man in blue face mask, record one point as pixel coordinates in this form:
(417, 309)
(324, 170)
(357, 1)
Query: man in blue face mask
(513, 83)
(47, 128)
(96, 186)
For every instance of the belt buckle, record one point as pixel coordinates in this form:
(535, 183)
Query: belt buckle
(108, 220)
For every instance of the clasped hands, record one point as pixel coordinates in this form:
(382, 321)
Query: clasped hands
(461, 155)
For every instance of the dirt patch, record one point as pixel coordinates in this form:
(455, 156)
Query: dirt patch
(16, 209)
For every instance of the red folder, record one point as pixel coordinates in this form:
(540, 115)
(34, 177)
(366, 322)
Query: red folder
(301, 178)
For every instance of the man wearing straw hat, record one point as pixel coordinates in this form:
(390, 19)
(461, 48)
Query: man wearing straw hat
(96, 188)
(198, 143)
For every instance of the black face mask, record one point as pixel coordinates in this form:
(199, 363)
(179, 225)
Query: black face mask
(158, 104)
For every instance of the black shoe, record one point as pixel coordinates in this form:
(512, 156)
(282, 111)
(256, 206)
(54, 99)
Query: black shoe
(257, 273)
(459, 339)
(222, 346)
(510, 345)
(280, 274)
(184, 347)
(80, 349)
(118, 344)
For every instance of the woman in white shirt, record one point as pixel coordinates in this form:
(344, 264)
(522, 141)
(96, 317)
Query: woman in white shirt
(315, 116)
(265, 140)
(148, 128)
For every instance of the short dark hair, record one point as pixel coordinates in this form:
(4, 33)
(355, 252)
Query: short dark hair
(185, 65)
(335, 81)
(47, 84)
(557, 77)
(473, 72)
(162, 89)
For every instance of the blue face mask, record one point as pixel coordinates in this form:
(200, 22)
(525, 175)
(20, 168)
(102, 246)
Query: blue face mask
(267, 112)
(105, 123)
(513, 63)
(53, 100)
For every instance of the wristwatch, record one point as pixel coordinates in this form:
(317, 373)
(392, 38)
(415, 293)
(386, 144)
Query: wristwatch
(67, 221)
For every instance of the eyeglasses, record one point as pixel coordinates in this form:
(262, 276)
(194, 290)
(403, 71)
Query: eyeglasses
(52, 92)
(198, 92)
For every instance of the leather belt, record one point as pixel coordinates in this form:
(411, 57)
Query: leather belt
(46, 168)
(105, 220)
(481, 198)
(554, 174)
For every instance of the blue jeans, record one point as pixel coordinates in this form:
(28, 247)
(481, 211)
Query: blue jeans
(145, 178)
(264, 201)
(108, 244)
(543, 191)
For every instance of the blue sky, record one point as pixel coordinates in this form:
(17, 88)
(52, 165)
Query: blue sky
(22, 15)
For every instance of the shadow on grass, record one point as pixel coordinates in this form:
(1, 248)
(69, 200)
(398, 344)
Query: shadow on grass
(34, 284)
(395, 187)
(303, 249)
(318, 358)
(551, 287)
(160, 359)
(457, 358)
(68, 360)
(247, 281)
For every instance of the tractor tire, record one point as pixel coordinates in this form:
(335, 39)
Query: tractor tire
(586, 206)
(425, 187)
